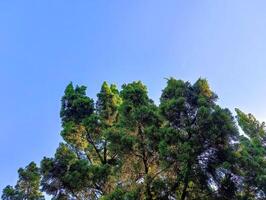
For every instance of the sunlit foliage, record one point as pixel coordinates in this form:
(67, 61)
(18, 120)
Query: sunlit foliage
(123, 146)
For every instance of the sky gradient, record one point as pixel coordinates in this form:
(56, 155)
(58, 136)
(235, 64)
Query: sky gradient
(46, 44)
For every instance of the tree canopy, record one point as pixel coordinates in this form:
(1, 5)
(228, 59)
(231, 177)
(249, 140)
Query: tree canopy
(122, 146)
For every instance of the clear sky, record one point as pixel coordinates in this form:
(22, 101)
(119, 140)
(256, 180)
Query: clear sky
(46, 44)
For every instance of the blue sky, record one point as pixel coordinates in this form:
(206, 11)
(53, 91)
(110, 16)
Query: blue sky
(46, 44)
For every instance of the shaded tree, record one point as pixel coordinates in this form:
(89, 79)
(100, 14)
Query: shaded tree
(196, 139)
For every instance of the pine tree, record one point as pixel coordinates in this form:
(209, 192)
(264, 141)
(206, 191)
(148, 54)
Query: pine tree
(139, 130)
(196, 139)
(83, 166)
(251, 154)
(27, 187)
(125, 147)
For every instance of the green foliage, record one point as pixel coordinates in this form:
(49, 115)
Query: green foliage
(75, 104)
(108, 103)
(196, 137)
(120, 194)
(27, 186)
(125, 147)
(251, 154)
(9, 193)
(139, 119)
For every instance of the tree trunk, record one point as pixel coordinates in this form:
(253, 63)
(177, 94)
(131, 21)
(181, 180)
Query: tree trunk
(186, 180)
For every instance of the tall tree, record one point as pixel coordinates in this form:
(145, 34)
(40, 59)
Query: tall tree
(139, 130)
(251, 155)
(125, 147)
(82, 168)
(196, 139)
(27, 187)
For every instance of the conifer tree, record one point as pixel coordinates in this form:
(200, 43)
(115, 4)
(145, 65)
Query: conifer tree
(125, 147)
(83, 167)
(195, 140)
(27, 187)
(137, 140)
(251, 157)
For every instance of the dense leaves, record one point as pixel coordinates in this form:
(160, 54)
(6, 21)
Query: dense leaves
(27, 187)
(125, 147)
(251, 154)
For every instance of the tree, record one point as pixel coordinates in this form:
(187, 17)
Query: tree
(83, 167)
(125, 147)
(251, 154)
(139, 130)
(9, 193)
(196, 139)
(27, 186)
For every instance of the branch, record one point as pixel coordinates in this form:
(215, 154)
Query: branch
(94, 146)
